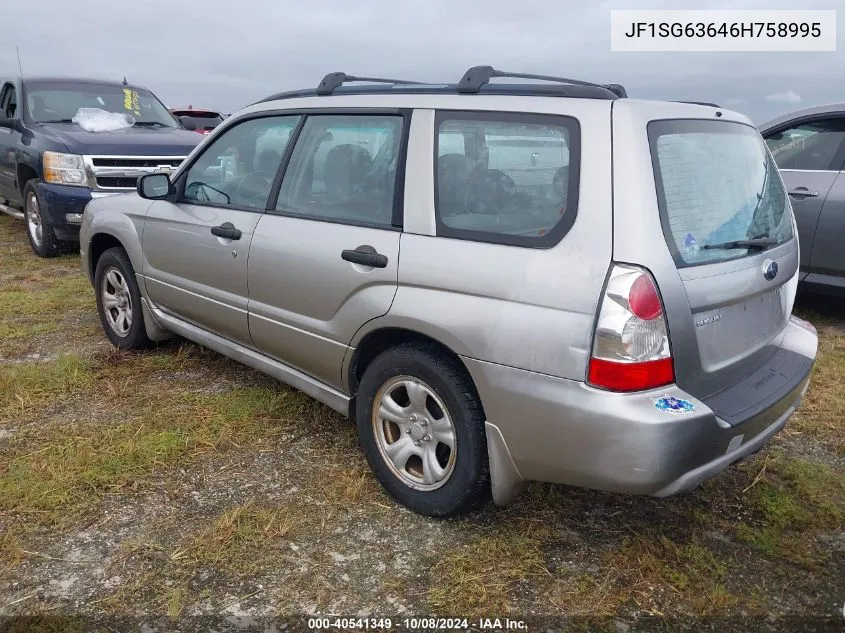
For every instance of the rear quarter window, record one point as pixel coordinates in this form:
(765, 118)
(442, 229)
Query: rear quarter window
(716, 183)
(507, 178)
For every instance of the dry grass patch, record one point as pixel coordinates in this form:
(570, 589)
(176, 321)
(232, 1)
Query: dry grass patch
(26, 387)
(822, 414)
(38, 304)
(480, 577)
(791, 500)
(59, 470)
(232, 539)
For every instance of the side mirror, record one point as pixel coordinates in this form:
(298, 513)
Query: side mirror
(187, 123)
(154, 186)
(11, 124)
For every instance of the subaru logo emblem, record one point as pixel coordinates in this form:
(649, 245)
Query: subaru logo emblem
(770, 269)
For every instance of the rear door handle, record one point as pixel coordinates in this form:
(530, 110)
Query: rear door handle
(226, 230)
(365, 258)
(803, 192)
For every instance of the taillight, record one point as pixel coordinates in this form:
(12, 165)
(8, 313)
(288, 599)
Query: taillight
(631, 346)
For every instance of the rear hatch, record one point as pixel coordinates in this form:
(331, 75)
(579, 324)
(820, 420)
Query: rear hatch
(710, 218)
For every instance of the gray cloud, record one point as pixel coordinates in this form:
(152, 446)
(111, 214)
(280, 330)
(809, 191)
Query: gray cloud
(225, 55)
(784, 97)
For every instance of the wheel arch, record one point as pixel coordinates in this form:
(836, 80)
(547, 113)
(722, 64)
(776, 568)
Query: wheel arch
(24, 173)
(377, 340)
(99, 244)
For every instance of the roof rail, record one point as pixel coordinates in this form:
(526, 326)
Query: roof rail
(701, 103)
(335, 80)
(477, 76)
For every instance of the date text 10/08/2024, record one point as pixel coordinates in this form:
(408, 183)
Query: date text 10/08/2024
(417, 624)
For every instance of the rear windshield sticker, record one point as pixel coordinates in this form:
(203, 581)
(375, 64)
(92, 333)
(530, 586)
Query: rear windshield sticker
(673, 405)
(690, 244)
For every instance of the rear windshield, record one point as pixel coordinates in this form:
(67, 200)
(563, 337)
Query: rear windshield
(716, 184)
(202, 121)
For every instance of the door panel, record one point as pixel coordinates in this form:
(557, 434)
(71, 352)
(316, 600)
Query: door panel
(195, 275)
(327, 260)
(807, 193)
(809, 154)
(828, 256)
(197, 249)
(305, 301)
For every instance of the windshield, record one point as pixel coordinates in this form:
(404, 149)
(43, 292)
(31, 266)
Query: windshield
(716, 185)
(58, 102)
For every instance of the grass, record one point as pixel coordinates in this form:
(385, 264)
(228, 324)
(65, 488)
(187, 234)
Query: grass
(89, 434)
(37, 304)
(230, 541)
(27, 387)
(76, 463)
(822, 414)
(480, 578)
(794, 498)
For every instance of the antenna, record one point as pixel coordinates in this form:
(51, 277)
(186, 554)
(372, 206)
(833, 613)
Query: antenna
(20, 68)
(124, 81)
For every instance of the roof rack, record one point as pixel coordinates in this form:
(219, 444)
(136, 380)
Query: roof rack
(477, 76)
(701, 103)
(475, 81)
(334, 80)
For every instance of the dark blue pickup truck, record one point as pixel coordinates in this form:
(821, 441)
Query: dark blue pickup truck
(50, 167)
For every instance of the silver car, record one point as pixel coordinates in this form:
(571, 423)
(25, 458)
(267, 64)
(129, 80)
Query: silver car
(809, 149)
(499, 283)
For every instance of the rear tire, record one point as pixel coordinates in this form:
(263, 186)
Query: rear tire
(119, 300)
(421, 427)
(42, 237)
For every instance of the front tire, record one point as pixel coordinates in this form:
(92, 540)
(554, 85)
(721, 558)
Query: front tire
(119, 300)
(421, 427)
(42, 237)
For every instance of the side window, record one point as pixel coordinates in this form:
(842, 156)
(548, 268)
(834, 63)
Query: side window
(344, 168)
(810, 146)
(239, 167)
(8, 101)
(506, 178)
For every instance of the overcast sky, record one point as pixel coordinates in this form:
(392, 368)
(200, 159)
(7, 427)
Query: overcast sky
(224, 55)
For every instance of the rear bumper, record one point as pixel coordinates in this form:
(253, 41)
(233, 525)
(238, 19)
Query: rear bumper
(549, 429)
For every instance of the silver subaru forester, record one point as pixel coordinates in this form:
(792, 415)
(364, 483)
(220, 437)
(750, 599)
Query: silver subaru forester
(499, 282)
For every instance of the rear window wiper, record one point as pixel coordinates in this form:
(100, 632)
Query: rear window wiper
(761, 243)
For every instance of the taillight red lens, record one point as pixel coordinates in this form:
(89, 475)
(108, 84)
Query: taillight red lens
(608, 374)
(643, 300)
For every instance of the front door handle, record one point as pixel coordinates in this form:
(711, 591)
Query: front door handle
(803, 192)
(367, 257)
(226, 230)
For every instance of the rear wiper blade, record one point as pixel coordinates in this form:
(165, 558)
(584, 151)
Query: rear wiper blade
(57, 121)
(761, 243)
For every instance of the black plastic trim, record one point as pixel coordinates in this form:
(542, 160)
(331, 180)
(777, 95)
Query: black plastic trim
(553, 236)
(761, 389)
(701, 103)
